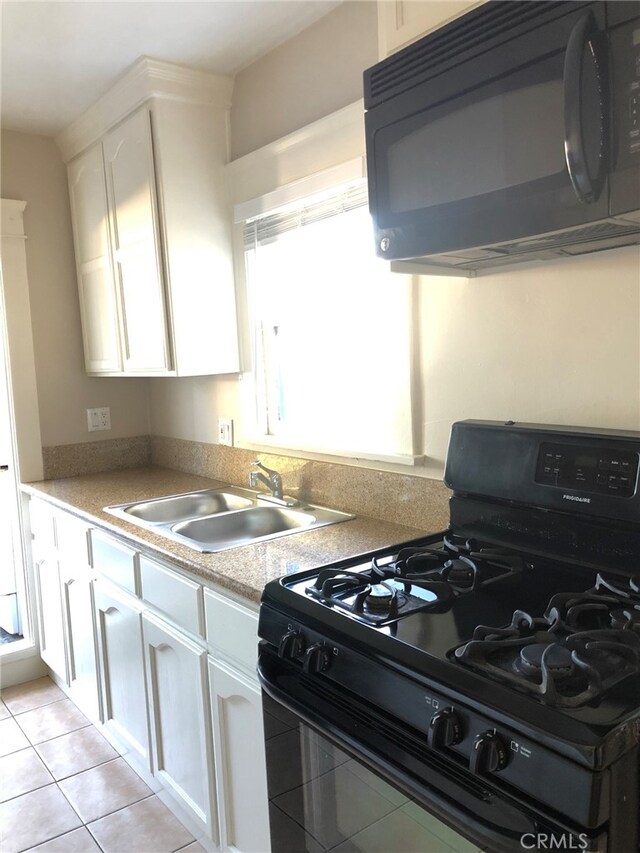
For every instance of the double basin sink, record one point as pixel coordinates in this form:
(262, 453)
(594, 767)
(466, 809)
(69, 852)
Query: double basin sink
(217, 519)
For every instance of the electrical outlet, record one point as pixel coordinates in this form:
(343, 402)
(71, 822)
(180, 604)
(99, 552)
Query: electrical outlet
(225, 431)
(99, 419)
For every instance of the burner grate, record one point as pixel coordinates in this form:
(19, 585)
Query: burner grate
(582, 648)
(375, 600)
(416, 578)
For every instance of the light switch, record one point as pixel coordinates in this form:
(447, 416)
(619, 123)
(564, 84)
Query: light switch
(225, 431)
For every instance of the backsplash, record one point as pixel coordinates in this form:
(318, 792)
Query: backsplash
(95, 457)
(400, 498)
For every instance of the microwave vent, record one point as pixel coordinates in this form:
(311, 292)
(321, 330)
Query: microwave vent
(469, 36)
(597, 231)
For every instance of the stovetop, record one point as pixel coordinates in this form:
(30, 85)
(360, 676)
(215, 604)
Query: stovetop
(532, 636)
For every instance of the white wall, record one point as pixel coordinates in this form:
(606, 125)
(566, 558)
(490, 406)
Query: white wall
(189, 408)
(308, 77)
(32, 170)
(557, 342)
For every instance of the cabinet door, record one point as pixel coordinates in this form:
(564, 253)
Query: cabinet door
(128, 155)
(96, 284)
(180, 731)
(236, 707)
(81, 644)
(124, 701)
(77, 606)
(404, 21)
(50, 616)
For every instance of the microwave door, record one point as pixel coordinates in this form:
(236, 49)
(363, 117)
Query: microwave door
(585, 113)
(479, 155)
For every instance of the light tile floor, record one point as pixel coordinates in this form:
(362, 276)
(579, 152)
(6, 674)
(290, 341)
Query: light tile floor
(64, 789)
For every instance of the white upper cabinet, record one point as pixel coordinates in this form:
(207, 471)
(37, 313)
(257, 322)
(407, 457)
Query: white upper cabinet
(403, 21)
(128, 154)
(152, 225)
(96, 283)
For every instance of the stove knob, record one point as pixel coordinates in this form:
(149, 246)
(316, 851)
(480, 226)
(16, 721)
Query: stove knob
(316, 659)
(489, 753)
(291, 644)
(445, 729)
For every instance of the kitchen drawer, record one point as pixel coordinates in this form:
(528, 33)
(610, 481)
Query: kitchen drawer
(176, 596)
(72, 539)
(114, 560)
(232, 629)
(42, 526)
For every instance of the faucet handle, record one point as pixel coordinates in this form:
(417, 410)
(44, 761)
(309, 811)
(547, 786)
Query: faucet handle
(269, 471)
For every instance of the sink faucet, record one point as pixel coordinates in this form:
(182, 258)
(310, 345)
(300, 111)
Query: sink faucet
(273, 482)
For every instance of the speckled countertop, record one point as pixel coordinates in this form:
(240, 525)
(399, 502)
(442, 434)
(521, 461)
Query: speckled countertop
(244, 570)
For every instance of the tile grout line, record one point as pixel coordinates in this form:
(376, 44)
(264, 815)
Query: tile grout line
(35, 707)
(34, 746)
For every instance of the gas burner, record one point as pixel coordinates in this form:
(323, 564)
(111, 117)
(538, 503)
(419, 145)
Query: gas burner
(608, 604)
(463, 564)
(534, 658)
(417, 577)
(378, 598)
(369, 598)
(583, 647)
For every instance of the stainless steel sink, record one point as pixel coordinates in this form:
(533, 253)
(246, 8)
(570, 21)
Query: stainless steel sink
(239, 528)
(218, 519)
(180, 507)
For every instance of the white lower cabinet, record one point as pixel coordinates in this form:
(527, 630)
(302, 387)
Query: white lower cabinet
(182, 758)
(166, 665)
(46, 581)
(50, 616)
(77, 605)
(120, 651)
(236, 705)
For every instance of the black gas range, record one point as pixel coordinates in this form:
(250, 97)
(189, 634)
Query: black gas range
(489, 673)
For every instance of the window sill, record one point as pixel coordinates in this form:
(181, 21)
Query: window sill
(397, 463)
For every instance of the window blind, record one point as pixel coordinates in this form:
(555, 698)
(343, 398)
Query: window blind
(265, 229)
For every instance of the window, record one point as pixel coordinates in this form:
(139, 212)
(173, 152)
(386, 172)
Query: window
(330, 330)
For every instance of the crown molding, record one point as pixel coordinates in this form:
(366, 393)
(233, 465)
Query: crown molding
(147, 78)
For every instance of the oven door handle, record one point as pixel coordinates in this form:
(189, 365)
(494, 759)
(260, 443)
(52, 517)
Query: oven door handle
(487, 834)
(587, 187)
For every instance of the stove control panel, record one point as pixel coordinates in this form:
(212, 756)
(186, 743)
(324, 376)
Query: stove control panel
(612, 472)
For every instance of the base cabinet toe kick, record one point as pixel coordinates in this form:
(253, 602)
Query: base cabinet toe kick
(164, 666)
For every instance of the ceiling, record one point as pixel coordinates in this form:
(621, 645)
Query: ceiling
(58, 57)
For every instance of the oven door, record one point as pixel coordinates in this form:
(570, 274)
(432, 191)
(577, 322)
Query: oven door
(510, 144)
(343, 779)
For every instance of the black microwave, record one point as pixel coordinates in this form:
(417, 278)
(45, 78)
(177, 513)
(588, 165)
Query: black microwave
(511, 134)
